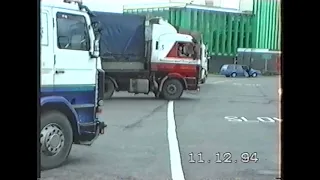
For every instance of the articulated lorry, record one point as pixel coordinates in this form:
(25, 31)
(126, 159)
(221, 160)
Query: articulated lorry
(142, 55)
(72, 84)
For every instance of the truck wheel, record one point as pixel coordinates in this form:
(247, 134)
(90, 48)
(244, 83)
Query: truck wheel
(172, 89)
(203, 80)
(56, 138)
(109, 89)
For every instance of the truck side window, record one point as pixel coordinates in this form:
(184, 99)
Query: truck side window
(72, 32)
(184, 50)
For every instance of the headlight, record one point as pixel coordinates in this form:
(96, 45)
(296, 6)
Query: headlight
(100, 103)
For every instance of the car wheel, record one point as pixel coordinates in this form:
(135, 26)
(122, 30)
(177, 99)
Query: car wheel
(254, 74)
(234, 74)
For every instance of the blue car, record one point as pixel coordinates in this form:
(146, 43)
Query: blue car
(234, 70)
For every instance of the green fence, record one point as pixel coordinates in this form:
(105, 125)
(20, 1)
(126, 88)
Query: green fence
(267, 24)
(224, 32)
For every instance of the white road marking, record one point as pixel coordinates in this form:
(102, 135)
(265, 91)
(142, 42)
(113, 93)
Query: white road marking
(175, 158)
(241, 84)
(217, 82)
(248, 120)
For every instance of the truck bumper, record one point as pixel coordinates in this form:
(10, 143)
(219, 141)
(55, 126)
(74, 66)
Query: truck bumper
(101, 127)
(194, 91)
(192, 84)
(90, 132)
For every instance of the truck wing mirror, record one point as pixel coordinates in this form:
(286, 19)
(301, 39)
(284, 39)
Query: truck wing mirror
(95, 53)
(96, 26)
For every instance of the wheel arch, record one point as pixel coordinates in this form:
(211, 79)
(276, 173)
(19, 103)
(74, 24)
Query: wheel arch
(174, 76)
(62, 105)
(113, 81)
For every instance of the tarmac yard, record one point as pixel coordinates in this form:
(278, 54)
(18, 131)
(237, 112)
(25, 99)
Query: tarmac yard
(228, 131)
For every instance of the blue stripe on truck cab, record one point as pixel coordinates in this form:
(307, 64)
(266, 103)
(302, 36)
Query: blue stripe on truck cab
(81, 97)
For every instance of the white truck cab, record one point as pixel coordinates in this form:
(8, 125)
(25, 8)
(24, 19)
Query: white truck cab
(166, 40)
(71, 82)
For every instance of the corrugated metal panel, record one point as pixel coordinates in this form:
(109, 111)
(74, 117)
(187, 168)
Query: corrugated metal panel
(222, 31)
(267, 24)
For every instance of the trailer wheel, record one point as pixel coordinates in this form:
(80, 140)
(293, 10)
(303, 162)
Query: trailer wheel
(172, 89)
(56, 138)
(109, 89)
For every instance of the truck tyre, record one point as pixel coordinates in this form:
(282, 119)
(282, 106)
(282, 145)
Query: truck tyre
(56, 138)
(203, 81)
(172, 89)
(109, 89)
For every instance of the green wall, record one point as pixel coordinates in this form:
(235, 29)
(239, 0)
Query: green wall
(224, 32)
(267, 24)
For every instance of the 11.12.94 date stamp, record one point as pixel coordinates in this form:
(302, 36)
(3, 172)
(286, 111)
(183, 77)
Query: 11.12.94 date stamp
(224, 157)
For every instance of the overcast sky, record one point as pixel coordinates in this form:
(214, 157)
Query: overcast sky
(117, 5)
(114, 5)
(225, 3)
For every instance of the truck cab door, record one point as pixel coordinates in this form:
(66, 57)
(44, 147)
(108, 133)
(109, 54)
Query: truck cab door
(47, 54)
(75, 70)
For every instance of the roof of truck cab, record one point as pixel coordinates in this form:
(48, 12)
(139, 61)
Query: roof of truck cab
(60, 5)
